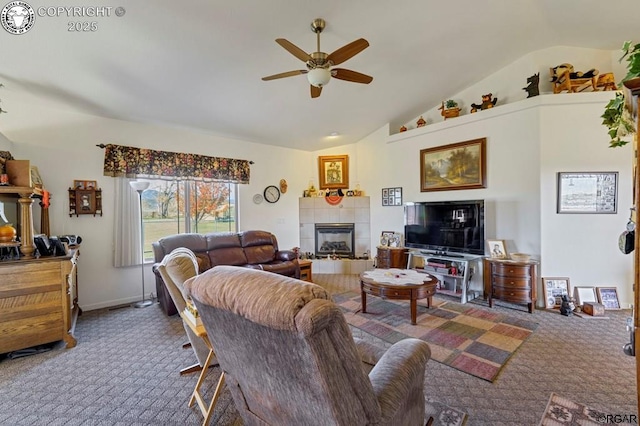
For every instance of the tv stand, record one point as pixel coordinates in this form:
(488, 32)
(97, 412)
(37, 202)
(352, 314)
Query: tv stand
(454, 269)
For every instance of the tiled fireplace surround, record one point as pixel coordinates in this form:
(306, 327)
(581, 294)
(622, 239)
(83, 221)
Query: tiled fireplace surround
(350, 210)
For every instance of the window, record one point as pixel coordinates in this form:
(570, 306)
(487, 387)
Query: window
(174, 207)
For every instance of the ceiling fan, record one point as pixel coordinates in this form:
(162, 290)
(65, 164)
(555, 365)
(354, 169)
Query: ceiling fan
(319, 65)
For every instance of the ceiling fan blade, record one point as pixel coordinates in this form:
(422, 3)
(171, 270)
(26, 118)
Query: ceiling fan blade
(353, 76)
(348, 51)
(315, 91)
(284, 74)
(293, 49)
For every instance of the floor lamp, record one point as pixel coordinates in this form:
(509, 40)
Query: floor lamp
(140, 187)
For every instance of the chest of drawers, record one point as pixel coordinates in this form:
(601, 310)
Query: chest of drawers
(392, 257)
(513, 282)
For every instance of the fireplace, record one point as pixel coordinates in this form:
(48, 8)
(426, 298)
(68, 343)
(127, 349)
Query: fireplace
(335, 238)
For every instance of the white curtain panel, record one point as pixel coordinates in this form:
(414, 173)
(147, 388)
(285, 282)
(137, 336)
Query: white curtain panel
(126, 238)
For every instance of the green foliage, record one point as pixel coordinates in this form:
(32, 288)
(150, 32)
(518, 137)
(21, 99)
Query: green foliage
(632, 53)
(617, 121)
(615, 116)
(450, 103)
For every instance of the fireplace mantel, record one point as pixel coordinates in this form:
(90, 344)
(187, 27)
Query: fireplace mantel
(354, 210)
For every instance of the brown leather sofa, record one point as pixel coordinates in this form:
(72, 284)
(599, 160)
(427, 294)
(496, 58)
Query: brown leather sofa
(250, 249)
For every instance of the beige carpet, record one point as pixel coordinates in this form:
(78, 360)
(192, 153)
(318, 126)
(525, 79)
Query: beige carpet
(578, 358)
(563, 411)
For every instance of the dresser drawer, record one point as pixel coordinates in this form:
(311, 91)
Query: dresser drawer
(514, 282)
(511, 294)
(508, 270)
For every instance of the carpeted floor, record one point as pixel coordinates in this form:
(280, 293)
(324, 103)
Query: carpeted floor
(578, 358)
(124, 372)
(470, 339)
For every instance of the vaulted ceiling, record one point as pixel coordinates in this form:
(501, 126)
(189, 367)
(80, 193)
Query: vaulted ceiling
(198, 64)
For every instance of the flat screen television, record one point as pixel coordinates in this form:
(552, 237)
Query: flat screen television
(445, 227)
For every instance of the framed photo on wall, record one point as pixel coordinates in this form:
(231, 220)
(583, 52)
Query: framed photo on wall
(334, 171)
(85, 202)
(587, 192)
(554, 288)
(456, 166)
(392, 196)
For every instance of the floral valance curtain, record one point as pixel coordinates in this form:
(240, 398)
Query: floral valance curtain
(148, 163)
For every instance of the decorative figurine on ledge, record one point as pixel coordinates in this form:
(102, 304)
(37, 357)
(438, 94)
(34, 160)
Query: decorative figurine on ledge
(421, 122)
(532, 88)
(487, 103)
(449, 109)
(403, 129)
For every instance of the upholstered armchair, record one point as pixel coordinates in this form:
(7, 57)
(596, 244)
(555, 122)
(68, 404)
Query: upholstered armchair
(289, 357)
(177, 267)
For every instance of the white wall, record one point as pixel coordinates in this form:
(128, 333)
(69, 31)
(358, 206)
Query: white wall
(583, 247)
(528, 142)
(62, 145)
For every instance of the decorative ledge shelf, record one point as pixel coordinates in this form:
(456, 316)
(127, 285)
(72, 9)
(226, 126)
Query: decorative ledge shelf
(518, 106)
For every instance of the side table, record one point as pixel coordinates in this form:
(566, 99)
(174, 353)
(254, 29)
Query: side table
(305, 270)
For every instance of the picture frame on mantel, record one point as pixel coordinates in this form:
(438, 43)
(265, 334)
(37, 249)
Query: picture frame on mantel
(459, 165)
(333, 171)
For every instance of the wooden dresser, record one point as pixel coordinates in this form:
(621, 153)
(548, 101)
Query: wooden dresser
(38, 301)
(392, 257)
(511, 281)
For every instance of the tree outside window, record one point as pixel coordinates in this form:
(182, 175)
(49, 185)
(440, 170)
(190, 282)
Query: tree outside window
(174, 207)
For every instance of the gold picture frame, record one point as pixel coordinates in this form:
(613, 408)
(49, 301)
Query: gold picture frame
(36, 180)
(459, 165)
(334, 171)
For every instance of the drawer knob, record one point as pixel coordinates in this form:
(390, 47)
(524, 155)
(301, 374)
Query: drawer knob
(511, 294)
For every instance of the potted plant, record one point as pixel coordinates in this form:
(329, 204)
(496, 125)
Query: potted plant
(616, 117)
(449, 109)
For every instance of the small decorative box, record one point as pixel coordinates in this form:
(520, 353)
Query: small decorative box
(593, 309)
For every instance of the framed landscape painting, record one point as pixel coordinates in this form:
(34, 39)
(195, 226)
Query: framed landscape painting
(460, 165)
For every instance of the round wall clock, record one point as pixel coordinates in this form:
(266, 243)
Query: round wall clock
(271, 193)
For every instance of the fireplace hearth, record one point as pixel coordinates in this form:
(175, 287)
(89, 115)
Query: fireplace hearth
(335, 239)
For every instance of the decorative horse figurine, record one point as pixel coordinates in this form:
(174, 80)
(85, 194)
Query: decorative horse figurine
(532, 88)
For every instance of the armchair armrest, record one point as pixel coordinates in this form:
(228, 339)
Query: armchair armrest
(285, 255)
(400, 372)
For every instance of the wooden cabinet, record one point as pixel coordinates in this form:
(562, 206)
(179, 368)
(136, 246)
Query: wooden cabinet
(392, 257)
(25, 227)
(305, 270)
(511, 281)
(38, 301)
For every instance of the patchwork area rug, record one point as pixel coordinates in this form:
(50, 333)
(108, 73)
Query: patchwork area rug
(562, 411)
(465, 337)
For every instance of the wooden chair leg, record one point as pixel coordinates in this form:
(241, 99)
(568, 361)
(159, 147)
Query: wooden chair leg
(191, 369)
(430, 421)
(186, 345)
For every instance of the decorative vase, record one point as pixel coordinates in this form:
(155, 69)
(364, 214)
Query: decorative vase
(7, 233)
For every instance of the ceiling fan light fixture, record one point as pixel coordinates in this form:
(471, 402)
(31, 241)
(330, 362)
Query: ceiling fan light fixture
(319, 77)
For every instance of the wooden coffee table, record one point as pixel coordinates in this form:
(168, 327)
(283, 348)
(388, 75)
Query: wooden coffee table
(398, 284)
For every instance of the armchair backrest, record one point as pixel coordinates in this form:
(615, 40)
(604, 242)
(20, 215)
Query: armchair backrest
(288, 355)
(176, 268)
